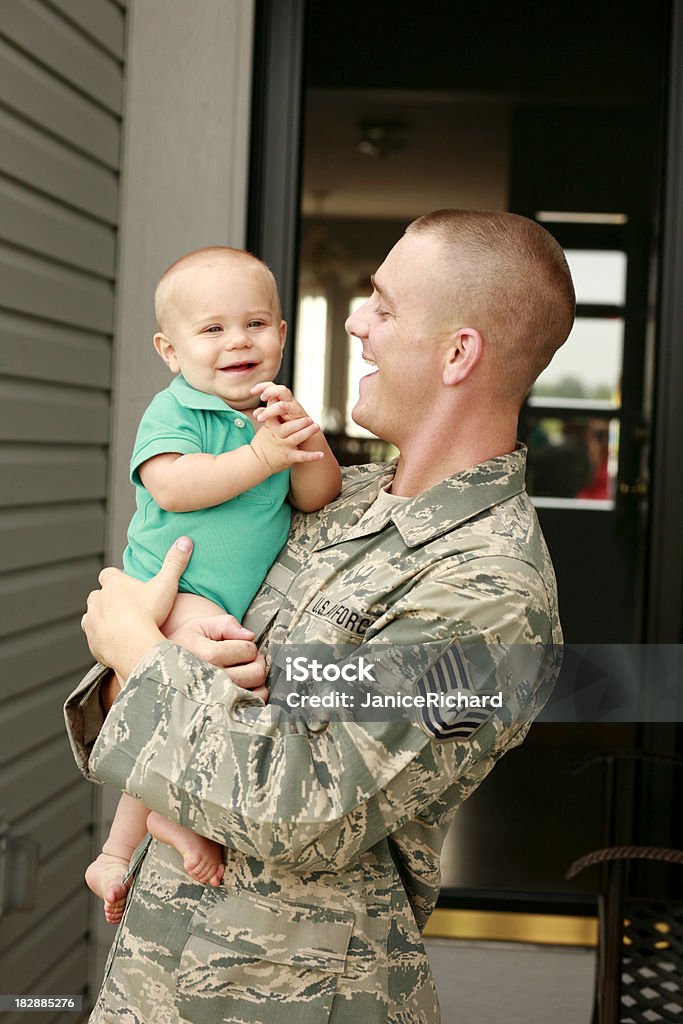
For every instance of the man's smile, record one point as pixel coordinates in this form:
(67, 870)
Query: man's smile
(371, 363)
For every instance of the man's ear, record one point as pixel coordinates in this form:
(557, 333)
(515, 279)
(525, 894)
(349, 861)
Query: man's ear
(463, 354)
(166, 349)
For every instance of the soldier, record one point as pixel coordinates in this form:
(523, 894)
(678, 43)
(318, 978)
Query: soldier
(431, 569)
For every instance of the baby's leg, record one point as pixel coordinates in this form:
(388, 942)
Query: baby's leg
(104, 876)
(202, 858)
(189, 606)
(185, 606)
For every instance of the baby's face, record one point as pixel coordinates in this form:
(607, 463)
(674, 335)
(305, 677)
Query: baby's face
(223, 330)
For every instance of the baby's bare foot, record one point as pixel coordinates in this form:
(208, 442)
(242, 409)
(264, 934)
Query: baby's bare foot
(104, 876)
(202, 858)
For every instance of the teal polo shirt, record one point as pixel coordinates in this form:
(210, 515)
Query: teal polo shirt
(235, 543)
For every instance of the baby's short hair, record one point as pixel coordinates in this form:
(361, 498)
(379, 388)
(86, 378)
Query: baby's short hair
(510, 278)
(207, 256)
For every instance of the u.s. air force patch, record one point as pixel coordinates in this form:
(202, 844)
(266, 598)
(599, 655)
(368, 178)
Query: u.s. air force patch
(353, 622)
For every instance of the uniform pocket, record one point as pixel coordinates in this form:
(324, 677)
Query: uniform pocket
(255, 958)
(270, 597)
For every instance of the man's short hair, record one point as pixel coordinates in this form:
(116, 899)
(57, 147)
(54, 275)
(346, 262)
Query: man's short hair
(510, 281)
(208, 256)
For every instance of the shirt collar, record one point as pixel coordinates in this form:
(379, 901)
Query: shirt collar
(193, 399)
(449, 503)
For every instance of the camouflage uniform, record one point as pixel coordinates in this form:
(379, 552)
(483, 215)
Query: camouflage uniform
(332, 829)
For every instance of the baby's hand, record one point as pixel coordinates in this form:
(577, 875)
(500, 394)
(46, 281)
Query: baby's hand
(285, 421)
(281, 403)
(277, 445)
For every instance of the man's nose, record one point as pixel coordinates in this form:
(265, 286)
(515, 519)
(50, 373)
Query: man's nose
(356, 323)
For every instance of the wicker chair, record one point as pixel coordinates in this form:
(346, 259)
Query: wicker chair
(639, 976)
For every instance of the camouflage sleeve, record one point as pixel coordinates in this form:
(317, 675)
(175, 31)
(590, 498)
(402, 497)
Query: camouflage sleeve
(307, 794)
(84, 716)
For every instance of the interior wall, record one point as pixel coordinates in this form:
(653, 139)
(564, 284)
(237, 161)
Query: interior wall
(445, 149)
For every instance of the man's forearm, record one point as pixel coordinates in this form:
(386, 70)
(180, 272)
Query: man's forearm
(135, 642)
(200, 757)
(110, 688)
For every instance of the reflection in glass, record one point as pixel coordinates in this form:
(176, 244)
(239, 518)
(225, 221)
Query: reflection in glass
(588, 366)
(599, 275)
(570, 217)
(311, 349)
(573, 457)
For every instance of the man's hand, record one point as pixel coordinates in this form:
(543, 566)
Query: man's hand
(123, 617)
(221, 641)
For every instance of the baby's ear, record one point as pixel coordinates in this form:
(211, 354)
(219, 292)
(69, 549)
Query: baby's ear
(283, 333)
(166, 349)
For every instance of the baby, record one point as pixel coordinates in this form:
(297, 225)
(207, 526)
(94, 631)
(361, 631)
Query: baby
(210, 461)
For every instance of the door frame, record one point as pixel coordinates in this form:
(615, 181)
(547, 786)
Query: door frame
(664, 590)
(277, 124)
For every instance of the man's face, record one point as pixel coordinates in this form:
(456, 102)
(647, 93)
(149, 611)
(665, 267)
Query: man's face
(224, 330)
(400, 327)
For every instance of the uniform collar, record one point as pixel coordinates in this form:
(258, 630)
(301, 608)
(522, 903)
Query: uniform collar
(461, 497)
(449, 503)
(193, 399)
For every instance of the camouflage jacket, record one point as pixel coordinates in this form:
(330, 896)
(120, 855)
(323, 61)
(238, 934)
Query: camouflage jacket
(332, 825)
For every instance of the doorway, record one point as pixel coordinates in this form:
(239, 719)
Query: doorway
(556, 113)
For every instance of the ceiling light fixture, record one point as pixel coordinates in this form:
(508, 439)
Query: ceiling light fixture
(377, 139)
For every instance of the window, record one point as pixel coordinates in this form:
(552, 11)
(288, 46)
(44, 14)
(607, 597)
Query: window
(572, 416)
(311, 353)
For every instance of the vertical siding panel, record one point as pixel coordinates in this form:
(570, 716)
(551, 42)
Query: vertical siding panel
(61, 65)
